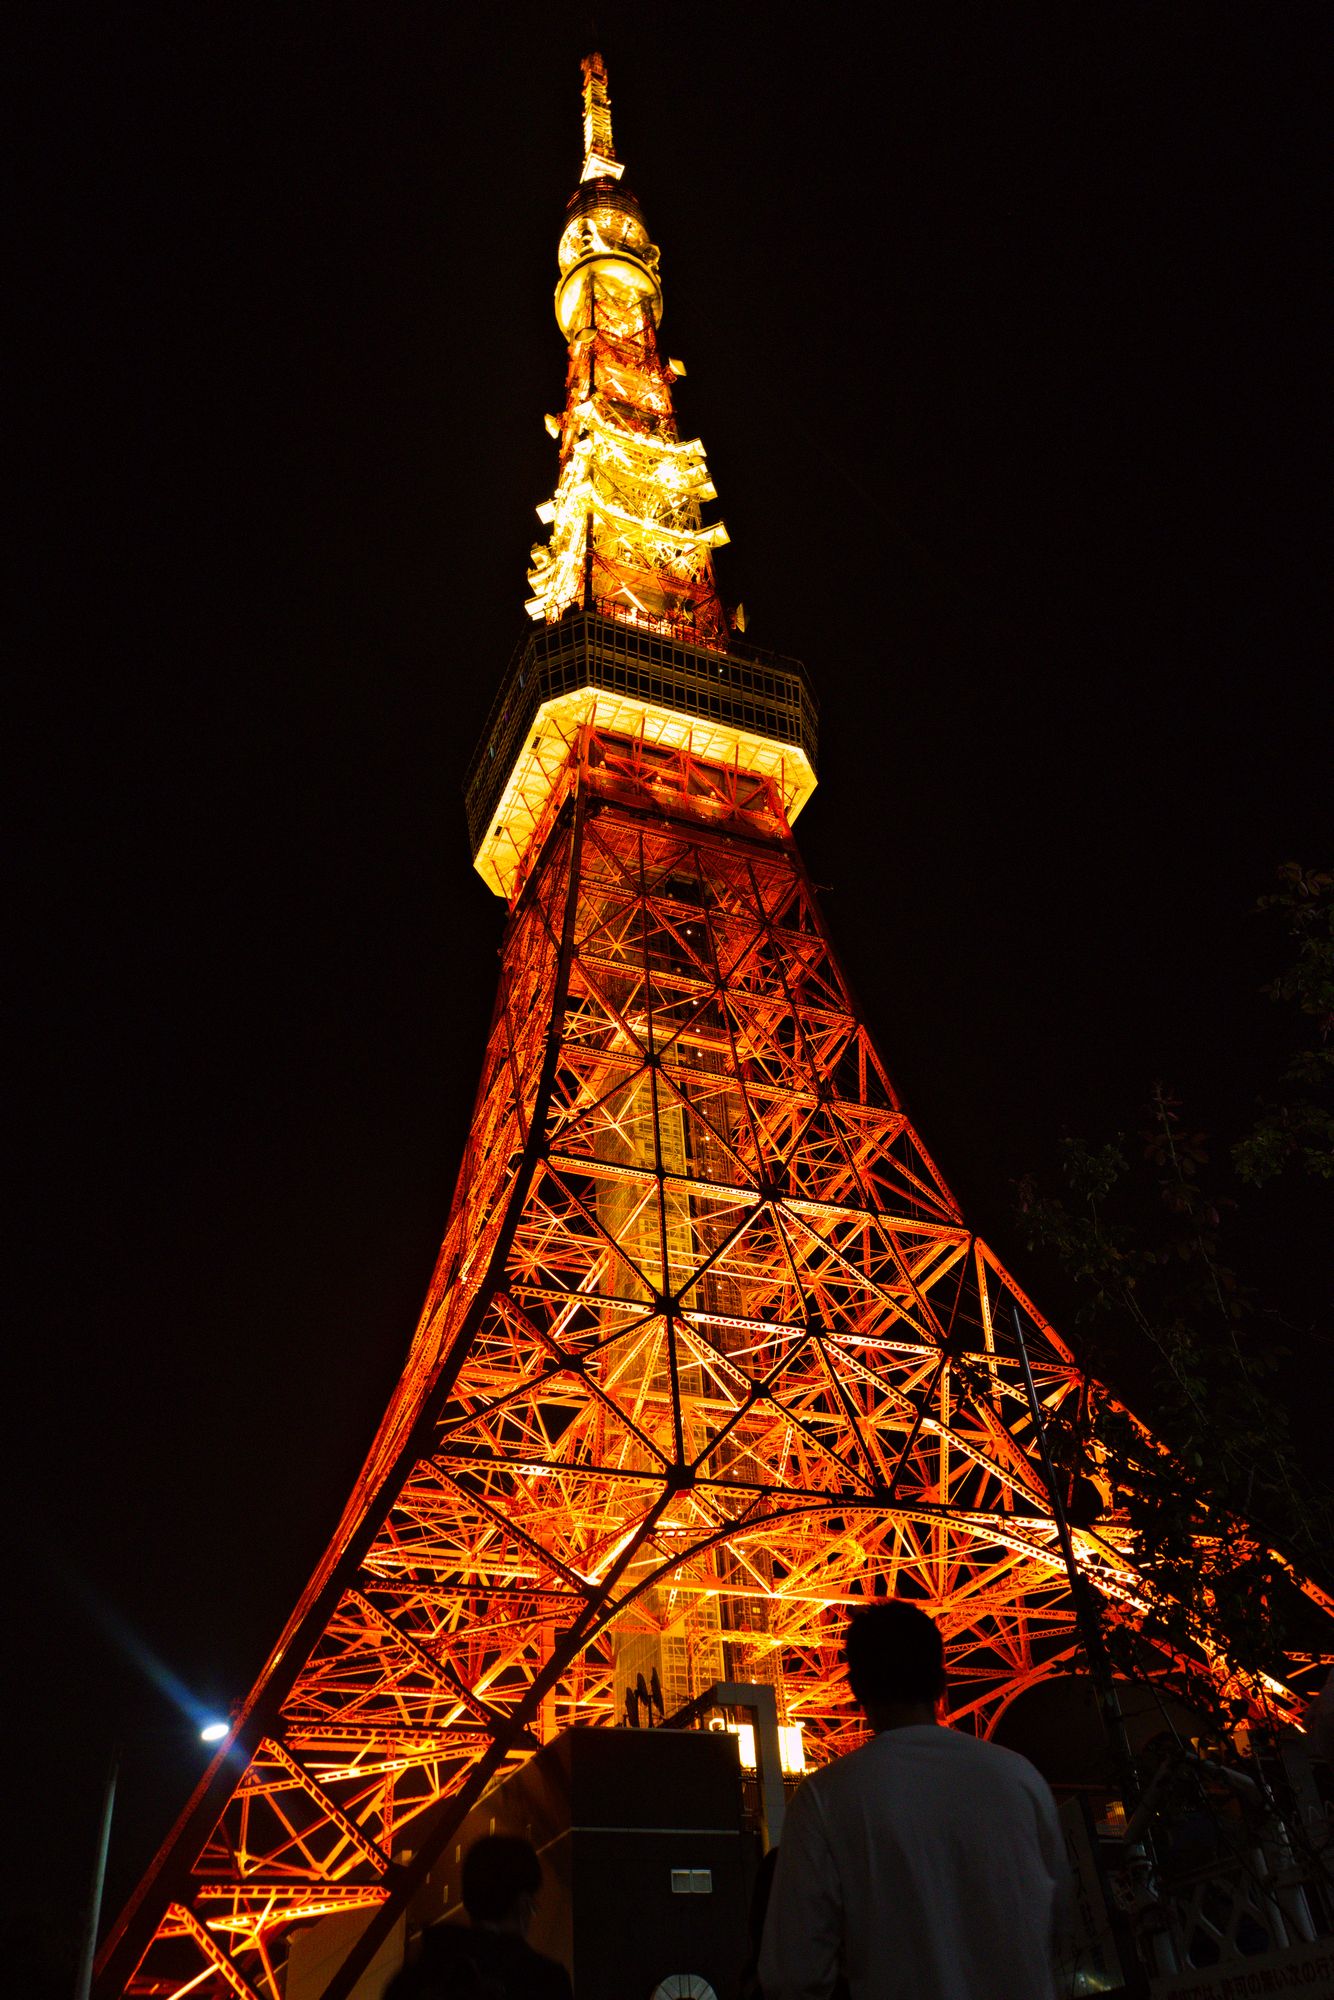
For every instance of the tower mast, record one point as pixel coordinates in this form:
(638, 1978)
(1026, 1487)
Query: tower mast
(711, 1355)
(627, 534)
(600, 162)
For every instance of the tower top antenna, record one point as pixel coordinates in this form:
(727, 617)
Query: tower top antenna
(600, 162)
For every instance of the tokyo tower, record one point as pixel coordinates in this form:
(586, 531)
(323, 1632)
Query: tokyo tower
(711, 1355)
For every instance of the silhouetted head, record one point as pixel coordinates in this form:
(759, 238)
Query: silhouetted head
(896, 1662)
(501, 1878)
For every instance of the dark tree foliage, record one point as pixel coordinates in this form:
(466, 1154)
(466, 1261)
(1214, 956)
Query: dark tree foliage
(1139, 1228)
(1295, 1127)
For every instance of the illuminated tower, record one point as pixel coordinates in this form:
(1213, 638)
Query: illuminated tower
(626, 533)
(711, 1355)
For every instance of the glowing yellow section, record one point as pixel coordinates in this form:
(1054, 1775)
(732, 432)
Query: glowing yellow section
(544, 757)
(659, 533)
(599, 151)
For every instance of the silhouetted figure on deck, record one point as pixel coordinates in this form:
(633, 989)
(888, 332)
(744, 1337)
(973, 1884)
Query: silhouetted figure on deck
(489, 1957)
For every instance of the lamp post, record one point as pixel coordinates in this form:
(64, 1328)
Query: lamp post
(84, 1984)
(210, 1732)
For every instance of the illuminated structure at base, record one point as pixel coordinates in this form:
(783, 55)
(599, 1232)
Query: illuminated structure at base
(711, 1355)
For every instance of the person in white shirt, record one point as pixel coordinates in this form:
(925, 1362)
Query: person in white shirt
(928, 1865)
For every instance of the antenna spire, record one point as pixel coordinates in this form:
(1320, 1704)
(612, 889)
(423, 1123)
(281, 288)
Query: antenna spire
(600, 162)
(627, 537)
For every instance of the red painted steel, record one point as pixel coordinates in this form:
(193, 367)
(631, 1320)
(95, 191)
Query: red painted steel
(711, 1356)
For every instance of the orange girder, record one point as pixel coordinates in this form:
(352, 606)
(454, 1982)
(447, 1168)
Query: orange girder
(710, 1358)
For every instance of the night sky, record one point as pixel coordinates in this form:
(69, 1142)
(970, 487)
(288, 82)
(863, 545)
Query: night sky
(1003, 337)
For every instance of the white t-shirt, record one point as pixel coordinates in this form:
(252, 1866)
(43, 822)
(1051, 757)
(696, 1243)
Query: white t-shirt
(924, 1866)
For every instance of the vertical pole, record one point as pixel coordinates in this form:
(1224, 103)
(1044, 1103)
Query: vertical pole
(769, 1763)
(84, 1983)
(1104, 1688)
(1086, 1616)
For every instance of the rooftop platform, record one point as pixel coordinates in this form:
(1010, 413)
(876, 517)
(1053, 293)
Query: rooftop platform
(741, 707)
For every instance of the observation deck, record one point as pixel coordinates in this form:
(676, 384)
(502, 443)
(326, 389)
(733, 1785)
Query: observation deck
(605, 242)
(741, 707)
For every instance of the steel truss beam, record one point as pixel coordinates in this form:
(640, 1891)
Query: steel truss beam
(710, 1358)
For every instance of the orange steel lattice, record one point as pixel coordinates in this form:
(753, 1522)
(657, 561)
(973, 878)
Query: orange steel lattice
(710, 1356)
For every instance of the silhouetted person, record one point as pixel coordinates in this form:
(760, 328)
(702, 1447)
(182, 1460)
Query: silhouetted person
(925, 1866)
(489, 1957)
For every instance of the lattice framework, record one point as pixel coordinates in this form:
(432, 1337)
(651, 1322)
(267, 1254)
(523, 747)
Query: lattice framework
(711, 1356)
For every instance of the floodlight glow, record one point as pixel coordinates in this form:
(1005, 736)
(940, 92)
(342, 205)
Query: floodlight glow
(213, 1732)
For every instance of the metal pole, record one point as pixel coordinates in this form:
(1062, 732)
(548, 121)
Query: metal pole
(1104, 1691)
(1086, 1616)
(84, 1984)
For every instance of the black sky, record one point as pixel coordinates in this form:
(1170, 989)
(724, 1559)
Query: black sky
(1003, 336)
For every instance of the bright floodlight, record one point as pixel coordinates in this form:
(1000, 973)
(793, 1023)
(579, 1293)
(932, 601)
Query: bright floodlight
(213, 1732)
